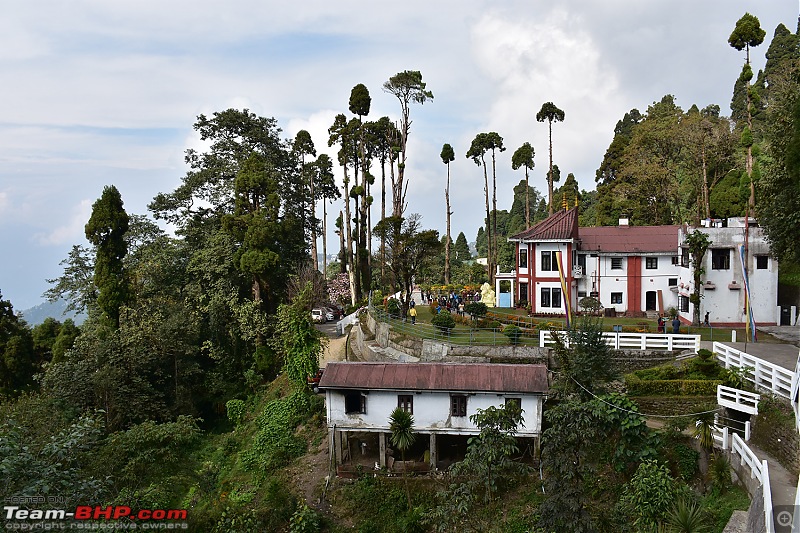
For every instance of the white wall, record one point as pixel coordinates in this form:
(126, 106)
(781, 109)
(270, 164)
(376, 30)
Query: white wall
(431, 411)
(726, 305)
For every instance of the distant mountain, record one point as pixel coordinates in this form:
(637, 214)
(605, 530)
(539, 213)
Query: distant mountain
(37, 314)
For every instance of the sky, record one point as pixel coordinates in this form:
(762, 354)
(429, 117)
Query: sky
(98, 93)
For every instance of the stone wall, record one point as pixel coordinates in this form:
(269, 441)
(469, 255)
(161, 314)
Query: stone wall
(673, 405)
(631, 360)
(777, 436)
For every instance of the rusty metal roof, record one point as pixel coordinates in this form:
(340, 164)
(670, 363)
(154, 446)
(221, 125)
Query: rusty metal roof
(561, 225)
(630, 239)
(477, 377)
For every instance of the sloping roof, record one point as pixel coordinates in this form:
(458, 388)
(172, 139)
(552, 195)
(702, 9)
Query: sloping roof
(477, 377)
(629, 239)
(562, 225)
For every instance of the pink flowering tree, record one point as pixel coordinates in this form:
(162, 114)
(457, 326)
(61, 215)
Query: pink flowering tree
(339, 289)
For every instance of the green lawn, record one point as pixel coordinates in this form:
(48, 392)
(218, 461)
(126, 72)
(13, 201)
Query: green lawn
(465, 335)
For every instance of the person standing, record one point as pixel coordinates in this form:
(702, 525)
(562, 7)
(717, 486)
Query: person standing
(413, 314)
(676, 325)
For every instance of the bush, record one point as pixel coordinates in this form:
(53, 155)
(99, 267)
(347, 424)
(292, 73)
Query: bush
(235, 410)
(476, 309)
(489, 324)
(670, 387)
(513, 333)
(443, 321)
(393, 307)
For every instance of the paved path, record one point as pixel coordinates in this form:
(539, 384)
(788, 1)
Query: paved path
(784, 355)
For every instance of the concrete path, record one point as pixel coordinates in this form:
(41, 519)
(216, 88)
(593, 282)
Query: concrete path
(783, 355)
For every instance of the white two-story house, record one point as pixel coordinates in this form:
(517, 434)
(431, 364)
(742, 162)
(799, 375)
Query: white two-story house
(635, 269)
(442, 397)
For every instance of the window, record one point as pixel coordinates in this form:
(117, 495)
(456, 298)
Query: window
(516, 402)
(355, 402)
(556, 298)
(406, 403)
(683, 303)
(458, 405)
(674, 259)
(523, 258)
(549, 261)
(551, 297)
(581, 294)
(582, 261)
(616, 263)
(762, 261)
(685, 257)
(673, 282)
(616, 298)
(721, 259)
(651, 263)
(523, 291)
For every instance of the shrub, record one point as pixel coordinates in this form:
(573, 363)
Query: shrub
(393, 308)
(513, 333)
(670, 387)
(476, 309)
(235, 410)
(443, 321)
(686, 460)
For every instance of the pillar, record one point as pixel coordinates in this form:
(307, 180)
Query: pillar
(332, 449)
(434, 454)
(338, 445)
(382, 448)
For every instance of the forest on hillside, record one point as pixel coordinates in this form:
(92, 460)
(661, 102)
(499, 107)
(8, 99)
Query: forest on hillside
(185, 387)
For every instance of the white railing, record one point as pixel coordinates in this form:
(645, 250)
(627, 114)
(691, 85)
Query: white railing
(794, 399)
(758, 470)
(635, 341)
(763, 374)
(743, 401)
(721, 437)
(796, 519)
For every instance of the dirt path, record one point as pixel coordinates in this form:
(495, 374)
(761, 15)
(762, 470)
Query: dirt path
(308, 474)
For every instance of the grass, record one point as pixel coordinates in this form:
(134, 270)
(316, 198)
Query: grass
(465, 335)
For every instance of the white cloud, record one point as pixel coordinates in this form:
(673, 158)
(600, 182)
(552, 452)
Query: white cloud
(69, 232)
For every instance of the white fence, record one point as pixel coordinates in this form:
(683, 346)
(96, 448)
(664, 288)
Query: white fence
(743, 401)
(635, 341)
(758, 470)
(763, 374)
(795, 401)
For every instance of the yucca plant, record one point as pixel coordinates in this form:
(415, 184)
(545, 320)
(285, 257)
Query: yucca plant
(401, 424)
(687, 517)
(720, 472)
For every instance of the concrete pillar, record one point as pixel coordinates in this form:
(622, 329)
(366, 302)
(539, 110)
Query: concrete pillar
(747, 431)
(513, 301)
(793, 315)
(733, 335)
(434, 455)
(338, 446)
(382, 448)
(332, 443)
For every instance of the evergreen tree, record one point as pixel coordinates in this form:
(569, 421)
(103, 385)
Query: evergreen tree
(550, 113)
(106, 231)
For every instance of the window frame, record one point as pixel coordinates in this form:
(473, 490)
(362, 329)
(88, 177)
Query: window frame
(683, 303)
(544, 297)
(762, 260)
(549, 261)
(350, 398)
(720, 261)
(616, 263)
(523, 258)
(406, 403)
(458, 405)
(651, 263)
(616, 296)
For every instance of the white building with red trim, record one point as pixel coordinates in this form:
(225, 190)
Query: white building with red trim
(638, 269)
